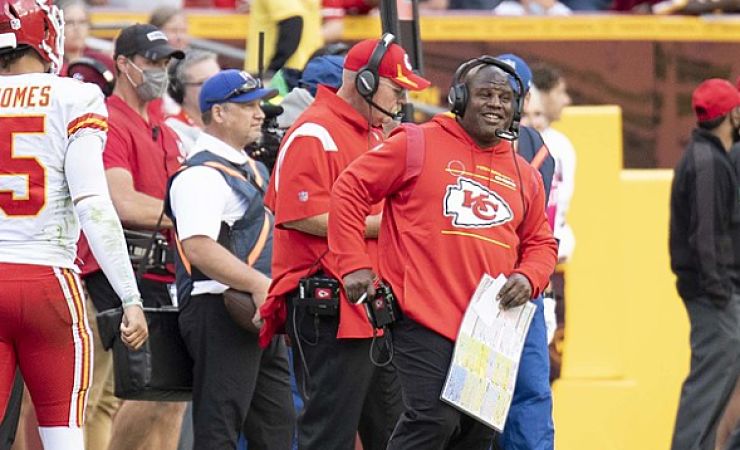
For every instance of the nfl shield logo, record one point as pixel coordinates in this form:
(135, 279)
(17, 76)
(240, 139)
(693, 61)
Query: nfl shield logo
(303, 196)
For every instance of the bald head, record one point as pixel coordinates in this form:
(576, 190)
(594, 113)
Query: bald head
(486, 73)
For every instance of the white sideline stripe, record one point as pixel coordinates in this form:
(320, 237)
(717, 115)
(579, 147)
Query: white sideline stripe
(90, 344)
(77, 343)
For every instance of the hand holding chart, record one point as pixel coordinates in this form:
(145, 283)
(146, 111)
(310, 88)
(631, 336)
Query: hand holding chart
(485, 361)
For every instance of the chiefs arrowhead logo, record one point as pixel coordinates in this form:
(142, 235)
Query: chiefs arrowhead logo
(472, 205)
(322, 293)
(407, 62)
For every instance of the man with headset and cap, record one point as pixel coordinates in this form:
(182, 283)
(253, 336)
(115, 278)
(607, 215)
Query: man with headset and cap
(343, 391)
(459, 202)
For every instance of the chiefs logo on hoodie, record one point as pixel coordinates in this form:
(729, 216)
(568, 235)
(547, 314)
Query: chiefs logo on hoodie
(472, 205)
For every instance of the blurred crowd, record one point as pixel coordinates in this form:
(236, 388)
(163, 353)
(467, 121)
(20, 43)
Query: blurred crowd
(331, 10)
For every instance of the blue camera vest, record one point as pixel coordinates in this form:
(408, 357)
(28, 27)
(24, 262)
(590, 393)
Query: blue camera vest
(249, 238)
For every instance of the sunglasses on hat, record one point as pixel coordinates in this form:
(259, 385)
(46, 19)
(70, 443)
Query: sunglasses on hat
(249, 85)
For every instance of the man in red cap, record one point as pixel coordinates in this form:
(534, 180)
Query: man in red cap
(343, 391)
(704, 243)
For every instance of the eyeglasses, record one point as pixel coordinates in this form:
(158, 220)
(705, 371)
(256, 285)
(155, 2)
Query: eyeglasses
(250, 84)
(399, 92)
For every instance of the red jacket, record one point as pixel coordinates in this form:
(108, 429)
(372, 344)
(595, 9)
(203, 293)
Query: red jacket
(466, 211)
(324, 140)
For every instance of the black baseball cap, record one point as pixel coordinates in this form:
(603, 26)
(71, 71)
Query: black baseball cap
(145, 40)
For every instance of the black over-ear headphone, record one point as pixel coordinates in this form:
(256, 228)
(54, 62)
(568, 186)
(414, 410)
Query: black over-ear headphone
(175, 87)
(458, 96)
(368, 80)
(97, 66)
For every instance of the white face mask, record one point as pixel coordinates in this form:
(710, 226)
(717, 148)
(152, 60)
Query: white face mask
(153, 85)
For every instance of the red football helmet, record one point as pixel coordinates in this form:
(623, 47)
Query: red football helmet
(34, 23)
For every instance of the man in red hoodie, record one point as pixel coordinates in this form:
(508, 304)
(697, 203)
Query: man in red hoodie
(458, 203)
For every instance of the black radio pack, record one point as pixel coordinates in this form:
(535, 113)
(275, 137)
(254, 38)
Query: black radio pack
(381, 309)
(151, 250)
(319, 295)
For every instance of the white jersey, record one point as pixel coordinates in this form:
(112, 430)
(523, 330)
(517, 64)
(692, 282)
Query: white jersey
(40, 115)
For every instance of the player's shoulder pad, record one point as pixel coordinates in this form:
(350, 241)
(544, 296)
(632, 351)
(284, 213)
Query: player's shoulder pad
(74, 91)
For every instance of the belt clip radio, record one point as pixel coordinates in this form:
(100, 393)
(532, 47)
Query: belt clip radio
(381, 309)
(319, 295)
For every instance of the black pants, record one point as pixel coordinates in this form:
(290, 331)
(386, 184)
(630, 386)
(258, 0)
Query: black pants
(236, 385)
(715, 352)
(343, 392)
(422, 358)
(9, 423)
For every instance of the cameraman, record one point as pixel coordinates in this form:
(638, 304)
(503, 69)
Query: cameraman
(343, 391)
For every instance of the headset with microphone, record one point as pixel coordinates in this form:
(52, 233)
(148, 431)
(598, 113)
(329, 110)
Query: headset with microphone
(367, 80)
(175, 87)
(459, 95)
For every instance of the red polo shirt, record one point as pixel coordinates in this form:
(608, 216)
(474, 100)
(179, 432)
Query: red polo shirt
(148, 150)
(324, 140)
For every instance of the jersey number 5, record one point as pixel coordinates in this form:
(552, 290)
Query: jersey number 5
(11, 167)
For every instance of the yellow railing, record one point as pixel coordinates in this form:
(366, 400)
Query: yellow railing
(230, 26)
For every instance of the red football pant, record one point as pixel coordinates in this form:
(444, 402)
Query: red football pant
(44, 330)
